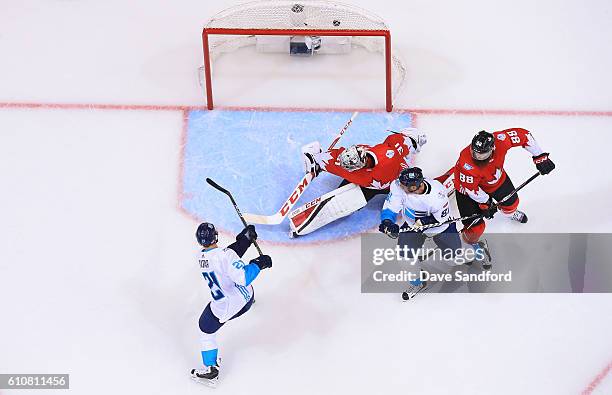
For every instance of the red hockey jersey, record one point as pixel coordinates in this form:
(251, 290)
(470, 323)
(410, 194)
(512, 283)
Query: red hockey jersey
(390, 157)
(479, 180)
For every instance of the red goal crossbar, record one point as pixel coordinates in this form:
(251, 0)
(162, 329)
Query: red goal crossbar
(296, 32)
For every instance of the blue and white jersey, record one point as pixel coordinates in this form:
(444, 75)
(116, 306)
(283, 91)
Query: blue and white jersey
(229, 280)
(430, 207)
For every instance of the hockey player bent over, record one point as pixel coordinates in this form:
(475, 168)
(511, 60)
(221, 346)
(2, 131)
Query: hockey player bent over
(230, 281)
(367, 171)
(480, 177)
(421, 201)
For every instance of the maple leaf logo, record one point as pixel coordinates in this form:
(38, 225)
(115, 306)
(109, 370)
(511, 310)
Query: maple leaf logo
(378, 185)
(498, 174)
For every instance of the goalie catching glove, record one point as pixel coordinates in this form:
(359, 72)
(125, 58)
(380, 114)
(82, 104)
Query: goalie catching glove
(418, 138)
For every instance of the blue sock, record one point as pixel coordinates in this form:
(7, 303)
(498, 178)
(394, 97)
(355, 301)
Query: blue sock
(209, 357)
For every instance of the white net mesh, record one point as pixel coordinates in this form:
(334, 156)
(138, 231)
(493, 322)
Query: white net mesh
(306, 15)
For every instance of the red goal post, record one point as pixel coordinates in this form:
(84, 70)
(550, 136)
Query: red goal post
(321, 18)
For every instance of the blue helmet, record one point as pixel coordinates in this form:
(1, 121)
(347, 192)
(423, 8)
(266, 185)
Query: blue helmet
(207, 234)
(412, 176)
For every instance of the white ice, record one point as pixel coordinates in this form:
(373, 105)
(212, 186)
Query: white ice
(97, 277)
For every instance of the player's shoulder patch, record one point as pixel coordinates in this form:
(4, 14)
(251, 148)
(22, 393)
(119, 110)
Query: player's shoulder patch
(467, 166)
(390, 153)
(501, 136)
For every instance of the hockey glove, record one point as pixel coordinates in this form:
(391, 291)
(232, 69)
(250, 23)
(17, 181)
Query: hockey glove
(248, 233)
(543, 164)
(487, 209)
(262, 261)
(313, 166)
(389, 228)
(417, 138)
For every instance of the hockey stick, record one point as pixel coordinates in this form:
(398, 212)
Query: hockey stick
(297, 192)
(514, 192)
(225, 191)
(344, 129)
(476, 217)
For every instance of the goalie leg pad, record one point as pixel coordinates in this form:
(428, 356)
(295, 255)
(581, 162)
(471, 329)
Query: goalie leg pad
(327, 208)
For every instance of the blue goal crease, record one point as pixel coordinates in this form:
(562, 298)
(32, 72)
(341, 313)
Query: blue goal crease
(256, 155)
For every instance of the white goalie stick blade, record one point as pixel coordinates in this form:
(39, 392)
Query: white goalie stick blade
(277, 218)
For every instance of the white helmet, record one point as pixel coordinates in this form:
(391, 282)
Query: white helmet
(353, 158)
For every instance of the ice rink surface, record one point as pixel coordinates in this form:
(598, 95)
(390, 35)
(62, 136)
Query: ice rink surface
(97, 267)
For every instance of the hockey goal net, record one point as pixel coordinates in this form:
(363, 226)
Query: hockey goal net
(303, 28)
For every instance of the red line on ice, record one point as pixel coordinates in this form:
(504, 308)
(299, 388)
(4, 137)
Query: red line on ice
(92, 106)
(425, 111)
(597, 380)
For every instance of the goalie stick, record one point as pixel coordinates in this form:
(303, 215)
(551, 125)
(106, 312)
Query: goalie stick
(297, 192)
(476, 217)
(225, 191)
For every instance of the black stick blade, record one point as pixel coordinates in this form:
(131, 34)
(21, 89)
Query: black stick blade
(217, 186)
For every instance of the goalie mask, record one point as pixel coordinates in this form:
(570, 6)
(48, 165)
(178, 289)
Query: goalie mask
(353, 158)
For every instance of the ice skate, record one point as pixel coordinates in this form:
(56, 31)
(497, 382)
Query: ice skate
(482, 249)
(519, 216)
(413, 290)
(208, 376)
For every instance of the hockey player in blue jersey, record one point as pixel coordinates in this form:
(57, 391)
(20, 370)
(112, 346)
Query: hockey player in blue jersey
(229, 280)
(421, 201)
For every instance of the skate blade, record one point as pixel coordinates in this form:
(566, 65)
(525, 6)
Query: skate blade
(406, 296)
(209, 383)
